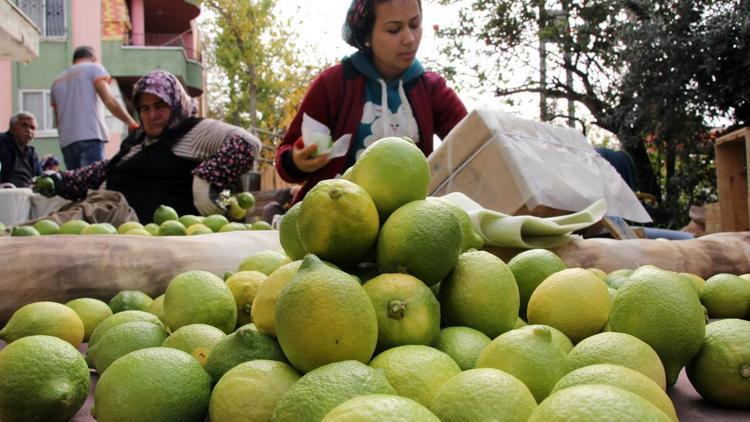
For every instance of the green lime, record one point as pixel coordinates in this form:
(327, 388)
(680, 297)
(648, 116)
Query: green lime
(232, 227)
(172, 228)
(152, 228)
(245, 200)
(622, 377)
(245, 344)
(482, 395)
(195, 339)
(46, 318)
(73, 226)
(324, 388)
(215, 221)
(407, 311)
(720, 372)
(127, 226)
(91, 311)
(164, 213)
(596, 402)
(463, 344)
(289, 235)
(480, 292)
(44, 379)
(24, 231)
(130, 300)
(199, 297)
(99, 229)
(197, 229)
(530, 268)
(415, 371)
(153, 384)
(45, 227)
(266, 381)
(380, 407)
(188, 220)
(261, 225)
(123, 339)
(265, 261)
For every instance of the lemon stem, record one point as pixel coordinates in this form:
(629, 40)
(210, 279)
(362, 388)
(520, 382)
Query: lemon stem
(334, 193)
(745, 371)
(396, 309)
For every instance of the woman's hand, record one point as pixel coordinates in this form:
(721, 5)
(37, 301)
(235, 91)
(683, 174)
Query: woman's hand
(304, 157)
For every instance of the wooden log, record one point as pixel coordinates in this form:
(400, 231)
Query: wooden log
(60, 268)
(726, 252)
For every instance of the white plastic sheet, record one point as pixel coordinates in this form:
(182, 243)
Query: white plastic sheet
(15, 205)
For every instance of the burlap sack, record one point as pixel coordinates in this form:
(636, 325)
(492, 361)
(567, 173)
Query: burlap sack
(727, 252)
(99, 206)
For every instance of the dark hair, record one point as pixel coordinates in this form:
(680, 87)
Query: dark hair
(49, 161)
(283, 196)
(360, 20)
(83, 52)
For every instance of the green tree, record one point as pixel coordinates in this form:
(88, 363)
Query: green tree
(635, 65)
(256, 74)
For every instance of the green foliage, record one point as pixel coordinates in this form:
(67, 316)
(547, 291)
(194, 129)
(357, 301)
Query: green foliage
(656, 74)
(257, 76)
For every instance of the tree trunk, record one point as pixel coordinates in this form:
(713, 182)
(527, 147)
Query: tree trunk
(645, 178)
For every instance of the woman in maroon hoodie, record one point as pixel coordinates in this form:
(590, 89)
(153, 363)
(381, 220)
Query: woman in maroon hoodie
(381, 90)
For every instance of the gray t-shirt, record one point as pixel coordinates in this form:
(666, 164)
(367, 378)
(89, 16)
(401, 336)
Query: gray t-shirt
(74, 96)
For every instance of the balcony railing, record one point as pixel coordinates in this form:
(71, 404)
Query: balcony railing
(160, 40)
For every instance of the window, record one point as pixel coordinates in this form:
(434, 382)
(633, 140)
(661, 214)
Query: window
(37, 102)
(48, 15)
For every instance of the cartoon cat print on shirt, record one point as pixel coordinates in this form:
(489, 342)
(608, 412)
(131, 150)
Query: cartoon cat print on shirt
(399, 123)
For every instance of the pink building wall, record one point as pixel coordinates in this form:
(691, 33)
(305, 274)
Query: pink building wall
(86, 24)
(6, 100)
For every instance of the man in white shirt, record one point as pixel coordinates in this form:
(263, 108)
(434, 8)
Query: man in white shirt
(80, 125)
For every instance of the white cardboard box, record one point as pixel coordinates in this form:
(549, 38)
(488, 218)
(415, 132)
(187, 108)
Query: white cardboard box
(517, 166)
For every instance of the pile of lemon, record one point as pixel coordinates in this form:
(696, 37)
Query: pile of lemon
(382, 306)
(166, 222)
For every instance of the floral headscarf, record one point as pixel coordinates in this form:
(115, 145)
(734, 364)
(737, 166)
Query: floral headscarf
(354, 30)
(167, 87)
(360, 19)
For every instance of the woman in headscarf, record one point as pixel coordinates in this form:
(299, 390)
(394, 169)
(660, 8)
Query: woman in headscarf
(381, 90)
(173, 158)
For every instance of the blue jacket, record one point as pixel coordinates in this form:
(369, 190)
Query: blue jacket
(8, 157)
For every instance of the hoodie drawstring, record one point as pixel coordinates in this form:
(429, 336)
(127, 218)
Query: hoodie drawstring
(386, 112)
(407, 108)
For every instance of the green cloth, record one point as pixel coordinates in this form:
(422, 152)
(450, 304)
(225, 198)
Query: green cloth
(526, 231)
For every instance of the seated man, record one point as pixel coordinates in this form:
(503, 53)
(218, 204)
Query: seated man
(173, 158)
(18, 159)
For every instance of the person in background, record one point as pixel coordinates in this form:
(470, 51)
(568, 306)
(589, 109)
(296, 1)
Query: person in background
(19, 163)
(80, 125)
(280, 205)
(173, 158)
(50, 163)
(379, 91)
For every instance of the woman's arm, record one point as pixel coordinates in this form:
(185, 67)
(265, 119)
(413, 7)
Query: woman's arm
(75, 183)
(223, 168)
(318, 104)
(448, 109)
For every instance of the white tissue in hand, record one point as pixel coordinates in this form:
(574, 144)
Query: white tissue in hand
(314, 132)
(322, 140)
